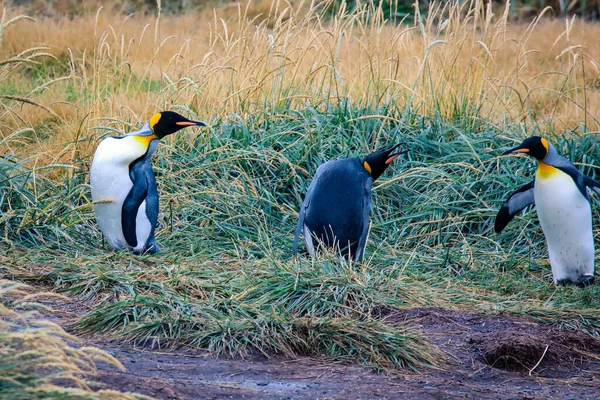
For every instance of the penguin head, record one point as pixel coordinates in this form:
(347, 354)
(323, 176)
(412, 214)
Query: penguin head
(376, 163)
(535, 146)
(167, 122)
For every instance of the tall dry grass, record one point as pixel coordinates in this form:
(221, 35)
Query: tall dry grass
(112, 69)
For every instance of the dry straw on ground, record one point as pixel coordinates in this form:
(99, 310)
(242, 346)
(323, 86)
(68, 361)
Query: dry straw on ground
(37, 359)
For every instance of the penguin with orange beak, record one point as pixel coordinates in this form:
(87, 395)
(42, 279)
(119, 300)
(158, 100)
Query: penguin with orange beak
(124, 187)
(559, 192)
(336, 209)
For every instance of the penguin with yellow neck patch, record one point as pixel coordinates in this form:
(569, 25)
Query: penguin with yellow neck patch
(124, 187)
(559, 192)
(337, 204)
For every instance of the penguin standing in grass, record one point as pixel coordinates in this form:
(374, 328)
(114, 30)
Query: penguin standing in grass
(123, 184)
(337, 205)
(560, 195)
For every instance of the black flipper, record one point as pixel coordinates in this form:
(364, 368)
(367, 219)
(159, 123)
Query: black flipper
(360, 249)
(305, 205)
(299, 226)
(515, 203)
(592, 184)
(134, 199)
(151, 207)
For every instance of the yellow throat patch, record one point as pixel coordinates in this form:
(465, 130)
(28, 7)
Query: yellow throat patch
(144, 140)
(545, 170)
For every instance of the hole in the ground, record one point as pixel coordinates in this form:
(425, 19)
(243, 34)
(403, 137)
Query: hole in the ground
(512, 351)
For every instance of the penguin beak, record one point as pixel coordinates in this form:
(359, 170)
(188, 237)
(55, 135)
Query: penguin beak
(190, 123)
(392, 157)
(517, 149)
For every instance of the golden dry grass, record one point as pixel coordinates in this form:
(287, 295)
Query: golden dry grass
(463, 61)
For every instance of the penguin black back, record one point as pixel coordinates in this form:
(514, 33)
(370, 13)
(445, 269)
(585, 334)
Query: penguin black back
(337, 205)
(340, 198)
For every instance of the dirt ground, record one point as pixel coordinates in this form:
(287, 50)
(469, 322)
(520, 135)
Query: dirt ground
(489, 357)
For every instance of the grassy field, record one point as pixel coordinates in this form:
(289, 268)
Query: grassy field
(284, 91)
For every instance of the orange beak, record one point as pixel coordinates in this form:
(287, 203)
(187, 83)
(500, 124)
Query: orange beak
(517, 149)
(190, 122)
(392, 158)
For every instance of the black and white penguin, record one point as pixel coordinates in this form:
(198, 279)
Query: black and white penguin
(123, 184)
(560, 196)
(337, 205)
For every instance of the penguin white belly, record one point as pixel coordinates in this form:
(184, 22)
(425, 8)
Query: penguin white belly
(111, 183)
(110, 186)
(566, 219)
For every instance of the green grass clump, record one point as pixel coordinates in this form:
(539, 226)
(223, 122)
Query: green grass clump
(271, 308)
(226, 280)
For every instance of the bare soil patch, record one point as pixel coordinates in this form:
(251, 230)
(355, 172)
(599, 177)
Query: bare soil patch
(490, 356)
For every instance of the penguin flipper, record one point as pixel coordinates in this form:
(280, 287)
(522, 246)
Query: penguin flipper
(305, 205)
(362, 242)
(298, 229)
(300, 226)
(131, 205)
(592, 184)
(151, 207)
(515, 203)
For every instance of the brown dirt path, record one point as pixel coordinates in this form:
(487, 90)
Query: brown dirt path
(489, 357)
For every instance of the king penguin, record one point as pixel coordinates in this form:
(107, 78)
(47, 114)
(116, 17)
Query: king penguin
(337, 204)
(560, 196)
(124, 187)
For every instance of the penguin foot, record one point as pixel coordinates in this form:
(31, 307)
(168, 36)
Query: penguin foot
(152, 249)
(586, 280)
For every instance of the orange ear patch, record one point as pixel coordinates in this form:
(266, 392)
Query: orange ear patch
(545, 144)
(367, 167)
(154, 120)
